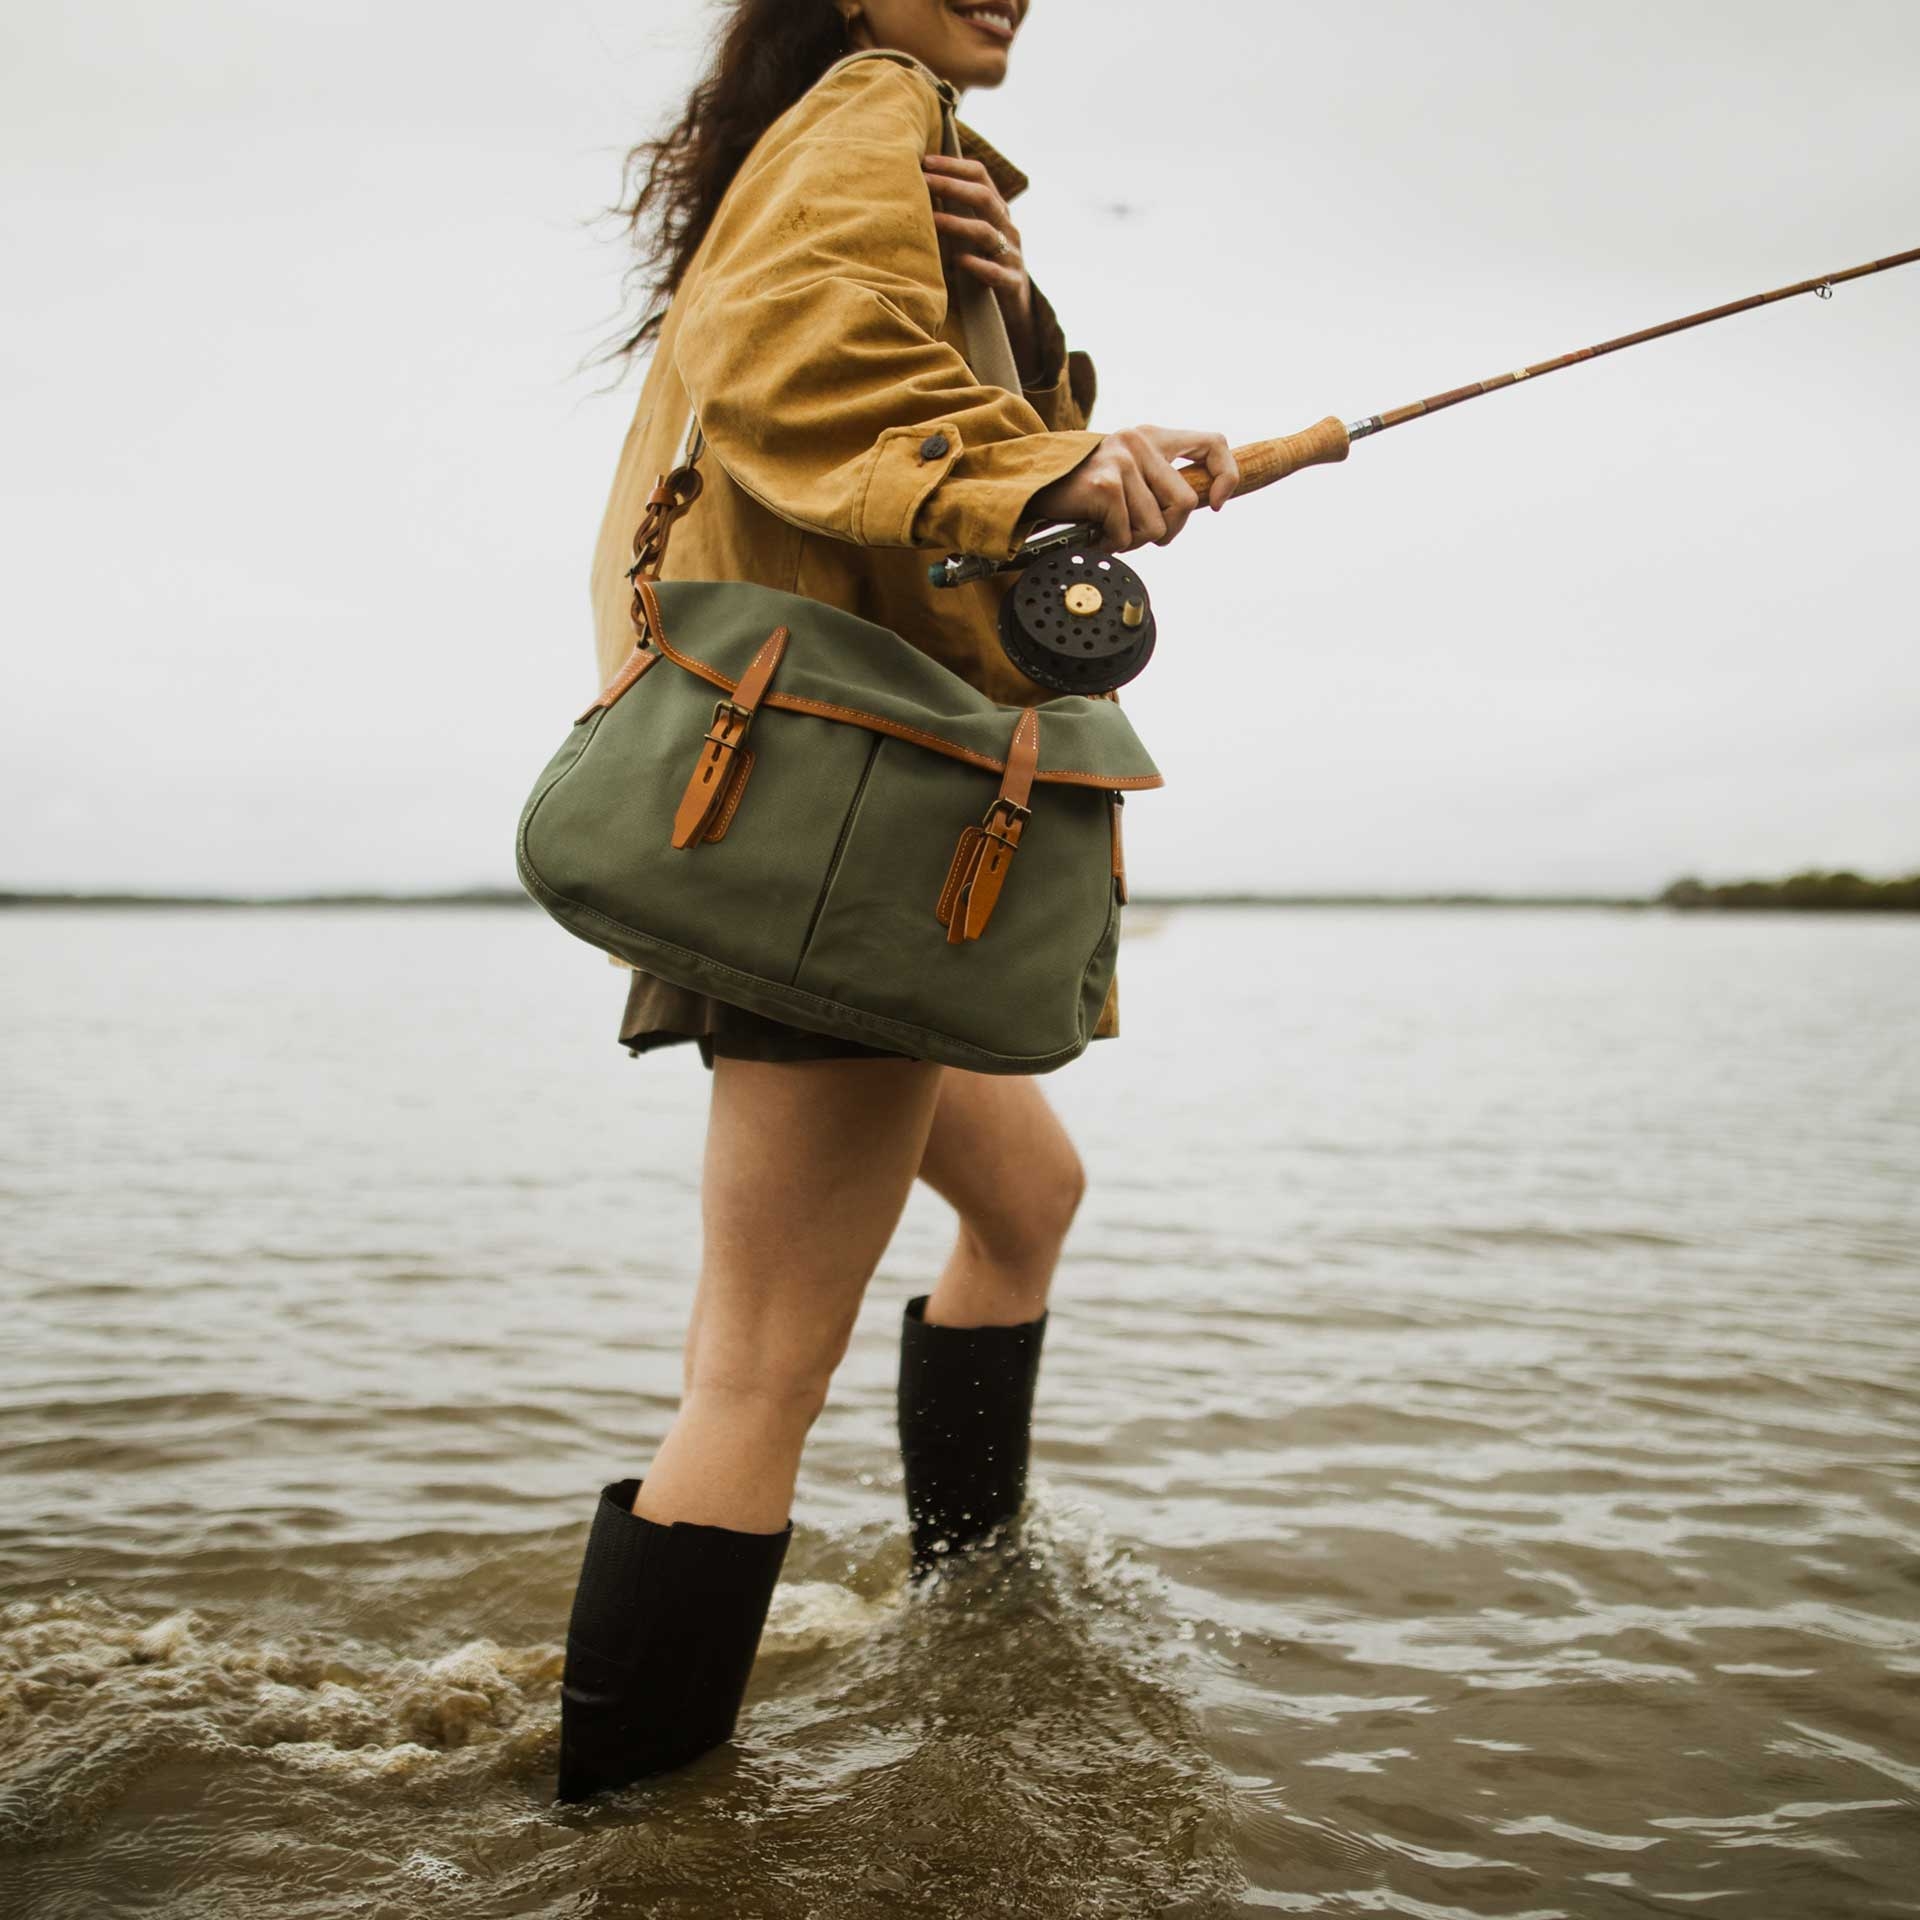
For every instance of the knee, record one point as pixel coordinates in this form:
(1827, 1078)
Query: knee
(1073, 1189)
(1033, 1223)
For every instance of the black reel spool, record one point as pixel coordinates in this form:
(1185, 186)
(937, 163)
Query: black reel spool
(1078, 620)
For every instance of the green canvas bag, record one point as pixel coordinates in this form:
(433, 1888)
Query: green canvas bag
(793, 809)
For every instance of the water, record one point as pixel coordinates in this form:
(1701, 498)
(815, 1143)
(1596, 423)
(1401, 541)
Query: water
(1476, 1451)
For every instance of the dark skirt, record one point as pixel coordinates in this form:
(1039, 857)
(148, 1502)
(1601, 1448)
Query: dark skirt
(659, 1014)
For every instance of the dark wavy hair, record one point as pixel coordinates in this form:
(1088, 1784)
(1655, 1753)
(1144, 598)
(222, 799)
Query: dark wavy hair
(766, 55)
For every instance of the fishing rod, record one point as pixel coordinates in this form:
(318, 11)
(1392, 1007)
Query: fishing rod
(1079, 619)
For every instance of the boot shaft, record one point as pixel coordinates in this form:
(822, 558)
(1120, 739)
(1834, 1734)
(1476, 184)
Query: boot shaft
(665, 1625)
(965, 1411)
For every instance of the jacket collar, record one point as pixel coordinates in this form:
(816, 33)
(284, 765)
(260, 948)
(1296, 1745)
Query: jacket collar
(1000, 170)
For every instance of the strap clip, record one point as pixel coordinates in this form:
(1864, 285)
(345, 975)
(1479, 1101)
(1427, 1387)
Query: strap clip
(673, 493)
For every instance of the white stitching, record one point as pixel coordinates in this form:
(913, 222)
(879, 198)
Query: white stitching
(731, 805)
(802, 703)
(944, 911)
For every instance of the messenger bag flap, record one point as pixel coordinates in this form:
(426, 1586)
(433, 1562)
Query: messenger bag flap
(870, 676)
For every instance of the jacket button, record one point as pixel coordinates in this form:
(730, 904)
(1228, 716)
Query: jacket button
(934, 447)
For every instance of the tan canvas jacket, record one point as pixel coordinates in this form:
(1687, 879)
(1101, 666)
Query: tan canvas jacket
(848, 439)
(824, 351)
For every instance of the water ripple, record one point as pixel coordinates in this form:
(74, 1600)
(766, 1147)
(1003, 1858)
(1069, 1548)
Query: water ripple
(1477, 1459)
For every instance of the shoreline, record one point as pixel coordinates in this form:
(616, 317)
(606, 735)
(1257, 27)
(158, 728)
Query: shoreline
(1774, 900)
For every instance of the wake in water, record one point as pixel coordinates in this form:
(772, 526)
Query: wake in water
(1011, 1733)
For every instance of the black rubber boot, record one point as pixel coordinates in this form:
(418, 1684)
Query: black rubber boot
(966, 1414)
(666, 1621)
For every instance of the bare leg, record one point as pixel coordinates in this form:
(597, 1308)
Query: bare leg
(998, 1155)
(808, 1166)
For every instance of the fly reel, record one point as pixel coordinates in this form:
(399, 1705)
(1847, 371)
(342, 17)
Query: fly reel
(1076, 619)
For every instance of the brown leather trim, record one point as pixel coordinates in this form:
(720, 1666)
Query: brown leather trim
(992, 854)
(877, 723)
(958, 872)
(1119, 852)
(730, 805)
(712, 772)
(966, 864)
(646, 610)
(1006, 819)
(636, 663)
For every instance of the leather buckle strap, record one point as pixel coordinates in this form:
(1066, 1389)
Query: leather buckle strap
(720, 765)
(985, 853)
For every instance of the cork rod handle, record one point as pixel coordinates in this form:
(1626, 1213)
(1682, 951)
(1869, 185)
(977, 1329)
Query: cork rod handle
(1266, 461)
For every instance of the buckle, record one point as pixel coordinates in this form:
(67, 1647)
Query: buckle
(1016, 815)
(743, 714)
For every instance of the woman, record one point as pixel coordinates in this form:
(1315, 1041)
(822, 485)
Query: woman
(836, 291)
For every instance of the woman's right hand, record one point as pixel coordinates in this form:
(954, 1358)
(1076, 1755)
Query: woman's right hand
(1129, 488)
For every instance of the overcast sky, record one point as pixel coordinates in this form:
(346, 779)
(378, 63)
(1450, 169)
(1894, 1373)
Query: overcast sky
(300, 483)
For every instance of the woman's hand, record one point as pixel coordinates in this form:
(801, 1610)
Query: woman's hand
(1129, 488)
(981, 237)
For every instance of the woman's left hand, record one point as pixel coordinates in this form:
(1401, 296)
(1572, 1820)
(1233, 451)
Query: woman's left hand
(985, 242)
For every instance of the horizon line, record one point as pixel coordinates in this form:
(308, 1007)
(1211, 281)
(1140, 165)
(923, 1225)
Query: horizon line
(513, 896)
(1685, 892)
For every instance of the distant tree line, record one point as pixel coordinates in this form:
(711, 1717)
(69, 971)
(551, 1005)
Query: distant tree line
(1802, 893)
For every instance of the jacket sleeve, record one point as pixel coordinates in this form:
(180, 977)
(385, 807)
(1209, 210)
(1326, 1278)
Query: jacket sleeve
(810, 346)
(1062, 391)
